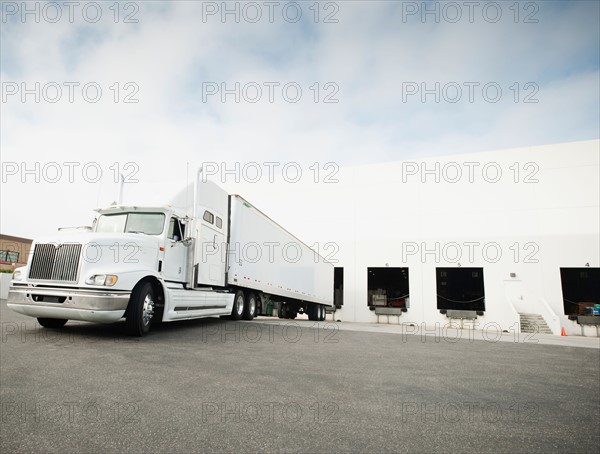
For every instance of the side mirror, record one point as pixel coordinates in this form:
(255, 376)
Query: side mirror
(188, 241)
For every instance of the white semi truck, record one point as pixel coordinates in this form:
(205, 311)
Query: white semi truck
(149, 264)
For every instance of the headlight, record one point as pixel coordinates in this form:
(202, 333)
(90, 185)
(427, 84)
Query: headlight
(102, 279)
(17, 275)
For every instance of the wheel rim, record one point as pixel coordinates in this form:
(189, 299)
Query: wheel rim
(239, 305)
(251, 306)
(148, 309)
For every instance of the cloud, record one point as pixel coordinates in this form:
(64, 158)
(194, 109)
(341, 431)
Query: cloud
(364, 59)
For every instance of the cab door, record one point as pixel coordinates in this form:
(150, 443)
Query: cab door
(211, 250)
(174, 267)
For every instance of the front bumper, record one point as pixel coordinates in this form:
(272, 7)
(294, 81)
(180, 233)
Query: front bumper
(71, 304)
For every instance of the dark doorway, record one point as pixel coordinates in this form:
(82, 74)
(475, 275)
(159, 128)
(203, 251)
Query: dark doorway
(460, 289)
(580, 289)
(338, 287)
(387, 287)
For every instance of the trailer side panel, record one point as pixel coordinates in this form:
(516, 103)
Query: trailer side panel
(266, 257)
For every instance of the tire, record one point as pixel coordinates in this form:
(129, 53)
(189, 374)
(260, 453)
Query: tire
(321, 313)
(141, 309)
(287, 312)
(312, 312)
(52, 322)
(239, 305)
(250, 307)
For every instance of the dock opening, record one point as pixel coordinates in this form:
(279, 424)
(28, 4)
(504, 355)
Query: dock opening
(580, 290)
(460, 289)
(387, 287)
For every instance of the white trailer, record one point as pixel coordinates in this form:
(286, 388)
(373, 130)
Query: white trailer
(265, 257)
(146, 263)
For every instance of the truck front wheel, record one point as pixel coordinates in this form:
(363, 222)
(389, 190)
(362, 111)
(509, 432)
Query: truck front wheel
(52, 322)
(141, 310)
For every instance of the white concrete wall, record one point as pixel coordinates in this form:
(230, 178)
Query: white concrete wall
(377, 213)
(4, 284)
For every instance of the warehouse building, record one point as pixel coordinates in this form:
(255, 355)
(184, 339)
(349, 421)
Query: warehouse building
(500, 240)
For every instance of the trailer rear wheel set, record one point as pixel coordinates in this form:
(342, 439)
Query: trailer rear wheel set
(315, 312)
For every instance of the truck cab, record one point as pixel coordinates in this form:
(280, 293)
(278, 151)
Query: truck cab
(132, 254)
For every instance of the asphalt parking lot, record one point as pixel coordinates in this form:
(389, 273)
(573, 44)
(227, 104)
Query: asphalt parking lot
(295, 386)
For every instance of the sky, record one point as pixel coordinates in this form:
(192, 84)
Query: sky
(153, 90)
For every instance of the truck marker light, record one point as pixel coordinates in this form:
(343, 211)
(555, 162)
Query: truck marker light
(102, 279)
(111, 280)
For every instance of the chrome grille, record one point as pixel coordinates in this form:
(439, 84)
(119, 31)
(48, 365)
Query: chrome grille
(53, 262)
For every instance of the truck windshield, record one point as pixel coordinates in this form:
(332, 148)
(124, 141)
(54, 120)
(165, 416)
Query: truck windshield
(148, 223)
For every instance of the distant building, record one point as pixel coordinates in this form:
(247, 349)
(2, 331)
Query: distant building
(14, 251)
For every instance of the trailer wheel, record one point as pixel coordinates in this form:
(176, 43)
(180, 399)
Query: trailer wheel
(237, 311)
(282, 310)
(321, 312)
(140, 310)
(250, 307)
(52, 322)
(312, 312)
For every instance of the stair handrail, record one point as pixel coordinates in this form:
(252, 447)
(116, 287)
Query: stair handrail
(554, 324)
(514, 310)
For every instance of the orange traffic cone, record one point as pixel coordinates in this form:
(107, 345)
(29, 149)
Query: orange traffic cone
(563, 332)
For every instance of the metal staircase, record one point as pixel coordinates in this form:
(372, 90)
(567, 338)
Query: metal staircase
(534, 323)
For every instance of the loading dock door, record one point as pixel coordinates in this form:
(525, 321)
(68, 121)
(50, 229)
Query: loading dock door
(387, 287)
(338, 287)
(580, 289)
(460, 289)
